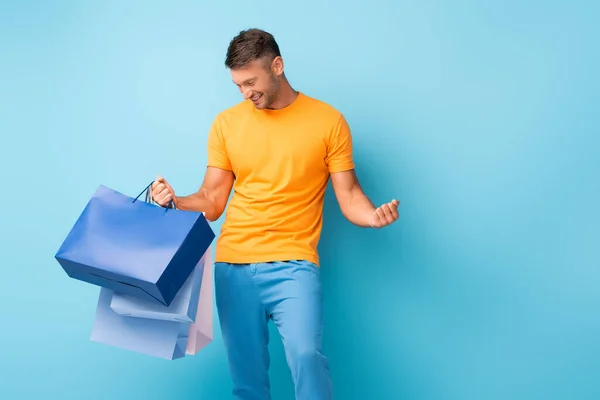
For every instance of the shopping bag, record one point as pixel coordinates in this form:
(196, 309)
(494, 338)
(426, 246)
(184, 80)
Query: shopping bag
(183, 307)
(134, 247)
(201, 331)
(156, 338)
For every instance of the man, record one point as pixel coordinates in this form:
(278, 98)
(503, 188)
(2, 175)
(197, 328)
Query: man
(277, 149)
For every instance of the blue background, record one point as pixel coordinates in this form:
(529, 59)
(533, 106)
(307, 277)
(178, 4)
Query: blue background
(481, 117)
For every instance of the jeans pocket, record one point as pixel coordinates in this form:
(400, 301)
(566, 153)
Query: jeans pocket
(304, 265)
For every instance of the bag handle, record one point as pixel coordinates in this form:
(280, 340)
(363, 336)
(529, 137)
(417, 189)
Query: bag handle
(148, 197)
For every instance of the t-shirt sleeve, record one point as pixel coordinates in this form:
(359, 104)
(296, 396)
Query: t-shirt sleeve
(217, 152)
(339, 150)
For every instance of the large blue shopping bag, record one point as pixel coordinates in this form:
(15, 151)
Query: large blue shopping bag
(134, 247)
(183, 308)
(156, 338)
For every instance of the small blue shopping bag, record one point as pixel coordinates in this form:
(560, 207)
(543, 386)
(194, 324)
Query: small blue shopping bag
(134, 247)
(156, 338)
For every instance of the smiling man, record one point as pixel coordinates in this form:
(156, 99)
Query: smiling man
(277, 149)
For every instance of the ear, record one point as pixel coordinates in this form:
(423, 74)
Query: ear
(277, 66)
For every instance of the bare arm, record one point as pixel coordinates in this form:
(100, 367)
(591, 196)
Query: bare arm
(212, 196)
(356, 206)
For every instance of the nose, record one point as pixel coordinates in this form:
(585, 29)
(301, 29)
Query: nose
(246, 92)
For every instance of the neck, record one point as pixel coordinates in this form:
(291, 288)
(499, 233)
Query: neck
(286, 96)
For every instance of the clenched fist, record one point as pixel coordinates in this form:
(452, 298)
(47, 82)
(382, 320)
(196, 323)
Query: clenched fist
(162, 192)
(385, 215)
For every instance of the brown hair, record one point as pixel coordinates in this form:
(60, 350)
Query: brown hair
(250, 45)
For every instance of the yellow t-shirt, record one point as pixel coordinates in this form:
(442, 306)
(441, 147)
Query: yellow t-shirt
(281, 160)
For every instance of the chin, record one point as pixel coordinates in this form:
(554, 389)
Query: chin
(260, 106)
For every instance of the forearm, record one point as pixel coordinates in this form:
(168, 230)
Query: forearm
(356, 206)
(199, 202)
(358, 209)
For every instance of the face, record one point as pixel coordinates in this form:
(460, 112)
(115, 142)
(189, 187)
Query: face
(259, 82)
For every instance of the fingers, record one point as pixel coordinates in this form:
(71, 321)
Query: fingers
(378, 218)
(165, 196)
(386, 214)
(159, 179)
(390, 213)
(162, 192)
(393, 208)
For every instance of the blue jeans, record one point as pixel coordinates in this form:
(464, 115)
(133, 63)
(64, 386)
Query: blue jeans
(248, 296)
